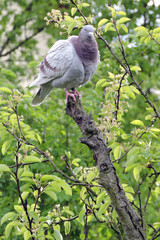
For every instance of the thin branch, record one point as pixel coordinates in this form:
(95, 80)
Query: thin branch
(118, 96)
(85, 19)
(23, 41)
(19, 192)
(155, 233)
(154, 39)
(23, 164)
(154, 120)
(65, 220)
(18, 121)
(150, 187)
(85, 226)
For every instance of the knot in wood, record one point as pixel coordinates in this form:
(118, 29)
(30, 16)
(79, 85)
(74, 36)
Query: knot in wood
(104, 167)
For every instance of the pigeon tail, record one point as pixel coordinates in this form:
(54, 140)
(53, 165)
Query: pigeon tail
(42, 93)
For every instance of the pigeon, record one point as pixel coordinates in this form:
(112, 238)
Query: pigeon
(69, 64)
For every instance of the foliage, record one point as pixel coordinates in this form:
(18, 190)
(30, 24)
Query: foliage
(49, 184)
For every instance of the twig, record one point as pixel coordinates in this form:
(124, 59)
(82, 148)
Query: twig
(155, 233)
(150, 187)
(23, 164)
(85, 226)
(19, 126)
(154, 39)
(118, 96)
(22, 42)
(65, 220)
(85, 19)
(19, 192)
(154, 120)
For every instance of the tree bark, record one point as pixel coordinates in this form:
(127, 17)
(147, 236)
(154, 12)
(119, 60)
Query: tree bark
(92, 137)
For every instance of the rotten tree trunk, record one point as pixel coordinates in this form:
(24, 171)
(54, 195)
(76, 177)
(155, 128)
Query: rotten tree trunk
(129, 218)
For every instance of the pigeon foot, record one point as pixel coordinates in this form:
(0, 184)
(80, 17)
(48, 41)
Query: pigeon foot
(72, 94)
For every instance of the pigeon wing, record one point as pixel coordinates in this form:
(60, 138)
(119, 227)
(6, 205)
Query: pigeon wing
(56, 62)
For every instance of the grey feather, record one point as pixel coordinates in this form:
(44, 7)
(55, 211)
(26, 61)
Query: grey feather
(42, 93)
(69, 64)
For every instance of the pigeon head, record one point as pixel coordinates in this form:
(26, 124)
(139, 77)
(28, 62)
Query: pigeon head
(87, 33)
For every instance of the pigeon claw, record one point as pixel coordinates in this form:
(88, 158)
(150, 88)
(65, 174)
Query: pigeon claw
(69, 94)
(72, 94)
(75, 92)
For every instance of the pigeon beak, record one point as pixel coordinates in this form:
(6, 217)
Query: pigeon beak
(91, 33)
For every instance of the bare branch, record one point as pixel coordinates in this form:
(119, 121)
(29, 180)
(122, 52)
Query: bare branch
(85, 19)
(150, 187)
(118, 96)
(153, 121)
(22, 42)
(154, 39)
(19, 192)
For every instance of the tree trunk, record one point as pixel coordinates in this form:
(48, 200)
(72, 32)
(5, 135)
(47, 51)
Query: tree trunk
(129, 218)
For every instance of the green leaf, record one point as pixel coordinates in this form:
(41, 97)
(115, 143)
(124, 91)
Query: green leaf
(107, 27)
(6, 145)
(24, 196)
(138, 123)
(85, 4)
(8, 230)
(49, 237)
(75, 161)
(102, 209)
(9, 227)
(58, 235)
(73, 10)
(77, 170)
(8, 216)
(141, 28)
(102, 22)
(6, 90)
(117, 152)
(32, 64)
(90, 176)
(148, 117)
(127, 169)
(100, 82)
(55, 186)
(8, 72)
(68, 18)
(124, 28)
(27, 235)
(111, 75)
(128, 91)
(156, 30)
(71, 26)
(18, 208)
(100, 198)
(51, 194)
(67, 227)
(106, 84)
(4, 168)
(130, 196)
(81, 216)
(121, 13)
(30, 159)
(129, 189)
(123, 20)
(65, 187)
(155, 130)
(135, 68)
(136, 172)
(113, 11)
(47, 178)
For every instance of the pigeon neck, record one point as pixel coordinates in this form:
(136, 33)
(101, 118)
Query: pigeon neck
(86, 50)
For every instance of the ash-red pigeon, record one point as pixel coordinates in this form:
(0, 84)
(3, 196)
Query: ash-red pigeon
(69, 64)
